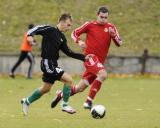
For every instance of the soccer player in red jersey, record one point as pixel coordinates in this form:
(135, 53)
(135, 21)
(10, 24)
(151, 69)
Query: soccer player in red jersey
(99, 34)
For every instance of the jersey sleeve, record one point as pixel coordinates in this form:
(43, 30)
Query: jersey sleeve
(117, 39)
(66, 50)
(78, 31)
(39, 30)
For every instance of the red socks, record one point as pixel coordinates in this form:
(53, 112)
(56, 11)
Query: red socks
(95, 87)
(73, 90)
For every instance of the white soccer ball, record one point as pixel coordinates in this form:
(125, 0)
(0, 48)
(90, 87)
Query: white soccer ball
(98, 111)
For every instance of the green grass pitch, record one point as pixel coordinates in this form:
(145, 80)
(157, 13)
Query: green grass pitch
(130, 103)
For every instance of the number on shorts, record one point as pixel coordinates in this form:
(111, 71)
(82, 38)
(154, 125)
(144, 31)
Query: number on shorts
(59, 70)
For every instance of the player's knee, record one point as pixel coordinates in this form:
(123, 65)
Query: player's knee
(103, 76)
(44, 89)
(69, 81)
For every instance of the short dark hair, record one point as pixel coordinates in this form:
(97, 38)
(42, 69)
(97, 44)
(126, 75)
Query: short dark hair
(65, 16)
(30, 26)
(102, 9)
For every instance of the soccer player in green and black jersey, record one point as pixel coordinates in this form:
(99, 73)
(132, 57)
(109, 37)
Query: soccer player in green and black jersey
(52, 42)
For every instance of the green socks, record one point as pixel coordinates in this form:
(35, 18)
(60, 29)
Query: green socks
(66, 93)
(35, 96)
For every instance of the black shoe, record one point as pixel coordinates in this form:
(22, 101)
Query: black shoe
(87, 105)
(11, 75)
(56, 99)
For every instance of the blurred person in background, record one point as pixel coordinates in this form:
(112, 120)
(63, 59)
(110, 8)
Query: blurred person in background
(26, 53)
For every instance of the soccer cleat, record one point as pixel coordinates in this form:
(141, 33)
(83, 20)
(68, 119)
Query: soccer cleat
(11, 75)
(87, 105)
(25, 107)
(56, 99)
(68, 109)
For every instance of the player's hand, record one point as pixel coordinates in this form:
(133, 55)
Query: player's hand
(82, 44)
(31, 40)
(34, 43)
(112, 32)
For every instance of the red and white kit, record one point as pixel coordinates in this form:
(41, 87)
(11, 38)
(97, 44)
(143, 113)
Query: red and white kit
(98, 40)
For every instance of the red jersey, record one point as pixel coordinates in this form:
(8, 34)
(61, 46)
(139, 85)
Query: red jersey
(26, 46)
(98, 39)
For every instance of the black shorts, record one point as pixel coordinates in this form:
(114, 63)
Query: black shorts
(51, 71)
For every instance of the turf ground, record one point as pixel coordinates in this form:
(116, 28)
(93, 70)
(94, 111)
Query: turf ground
(130, 103)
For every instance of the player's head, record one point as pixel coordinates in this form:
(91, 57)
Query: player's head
(30, 26)
(102, 15)
(65, 22)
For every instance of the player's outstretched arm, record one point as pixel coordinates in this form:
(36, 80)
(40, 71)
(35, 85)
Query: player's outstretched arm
(66, 50)
(115, 36)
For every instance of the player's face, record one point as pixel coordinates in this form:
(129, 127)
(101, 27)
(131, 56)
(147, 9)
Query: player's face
(66, 25)
(102, 18)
